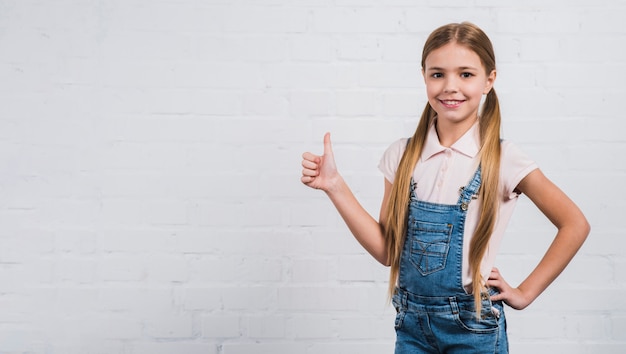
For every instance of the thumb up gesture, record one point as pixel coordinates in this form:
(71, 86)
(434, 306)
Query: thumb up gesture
(320, 172)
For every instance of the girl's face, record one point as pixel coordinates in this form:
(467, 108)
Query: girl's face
(455, 82)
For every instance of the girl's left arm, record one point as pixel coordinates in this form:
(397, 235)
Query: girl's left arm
(573, 229)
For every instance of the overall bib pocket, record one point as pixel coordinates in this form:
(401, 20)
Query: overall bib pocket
(430, 243)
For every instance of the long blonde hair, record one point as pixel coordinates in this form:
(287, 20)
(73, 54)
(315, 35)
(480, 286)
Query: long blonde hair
(475, 39)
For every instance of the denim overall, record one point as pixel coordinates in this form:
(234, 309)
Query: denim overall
(434, 312)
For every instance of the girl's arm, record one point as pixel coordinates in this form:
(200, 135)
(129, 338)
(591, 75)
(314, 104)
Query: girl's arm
(320, 172)
(573, 229)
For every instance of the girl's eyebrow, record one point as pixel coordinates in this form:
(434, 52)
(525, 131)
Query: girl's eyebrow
(461, 68)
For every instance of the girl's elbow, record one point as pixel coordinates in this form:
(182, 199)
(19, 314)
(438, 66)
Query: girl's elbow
(585, 228)
(580, 224)
(582, 228)
(577, 230)
(583, 225)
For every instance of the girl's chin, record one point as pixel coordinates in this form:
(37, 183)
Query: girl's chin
(456, 118)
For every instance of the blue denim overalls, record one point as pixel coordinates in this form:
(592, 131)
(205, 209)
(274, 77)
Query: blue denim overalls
(435, 314)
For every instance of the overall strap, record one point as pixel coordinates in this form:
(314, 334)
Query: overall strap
(470, 191)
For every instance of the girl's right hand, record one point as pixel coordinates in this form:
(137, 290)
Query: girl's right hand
(320, 172)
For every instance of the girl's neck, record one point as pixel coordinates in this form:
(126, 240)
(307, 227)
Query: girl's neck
(449, 132)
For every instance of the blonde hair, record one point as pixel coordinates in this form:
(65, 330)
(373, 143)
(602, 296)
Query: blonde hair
(474, 38)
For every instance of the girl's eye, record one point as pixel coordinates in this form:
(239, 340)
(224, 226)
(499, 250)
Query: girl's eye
(437, 75)
(466, 75)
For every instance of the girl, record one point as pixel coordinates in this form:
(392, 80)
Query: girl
(449, 192)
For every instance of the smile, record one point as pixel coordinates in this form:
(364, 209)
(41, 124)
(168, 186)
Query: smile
(451, 103)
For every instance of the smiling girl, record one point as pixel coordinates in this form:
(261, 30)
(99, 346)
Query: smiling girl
(450, 191)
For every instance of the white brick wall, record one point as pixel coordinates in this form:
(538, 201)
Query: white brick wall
(149, 169)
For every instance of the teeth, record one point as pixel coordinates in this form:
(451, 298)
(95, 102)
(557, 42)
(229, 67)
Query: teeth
(451, 102)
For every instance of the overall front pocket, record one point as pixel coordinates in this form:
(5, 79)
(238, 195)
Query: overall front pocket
(430, 243)
(465, 317)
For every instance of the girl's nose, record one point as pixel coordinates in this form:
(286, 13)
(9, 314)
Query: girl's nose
(450, 86)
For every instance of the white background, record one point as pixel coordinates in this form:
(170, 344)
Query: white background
(150, 158)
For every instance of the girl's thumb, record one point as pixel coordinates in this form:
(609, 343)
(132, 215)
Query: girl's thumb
(328, 148)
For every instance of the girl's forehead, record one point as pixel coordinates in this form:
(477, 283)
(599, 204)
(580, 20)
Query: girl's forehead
(452, 55)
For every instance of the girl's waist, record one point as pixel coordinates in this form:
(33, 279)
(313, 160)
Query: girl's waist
(406, 299)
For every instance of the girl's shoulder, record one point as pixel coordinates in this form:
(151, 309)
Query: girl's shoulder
(512, 152)
(391, 158)
(395, 151)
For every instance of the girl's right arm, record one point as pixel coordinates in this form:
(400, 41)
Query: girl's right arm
(320, 172)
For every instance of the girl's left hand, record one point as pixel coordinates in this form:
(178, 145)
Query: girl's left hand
(513, 297)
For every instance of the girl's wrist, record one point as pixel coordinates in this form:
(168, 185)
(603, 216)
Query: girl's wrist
(336, 186)
(528, 296)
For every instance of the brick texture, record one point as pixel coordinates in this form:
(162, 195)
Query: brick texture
(150, 157)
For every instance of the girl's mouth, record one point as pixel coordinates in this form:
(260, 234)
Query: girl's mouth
(451, 103)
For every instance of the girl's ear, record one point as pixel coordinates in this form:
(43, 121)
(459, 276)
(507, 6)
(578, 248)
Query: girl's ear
(490, 80)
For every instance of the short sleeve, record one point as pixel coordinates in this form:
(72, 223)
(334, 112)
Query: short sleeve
(391, 159)
(514, 166)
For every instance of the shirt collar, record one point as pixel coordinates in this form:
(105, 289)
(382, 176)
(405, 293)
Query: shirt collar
(468, 144)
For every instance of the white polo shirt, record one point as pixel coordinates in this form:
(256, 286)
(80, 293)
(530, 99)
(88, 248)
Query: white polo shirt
(441, 171)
